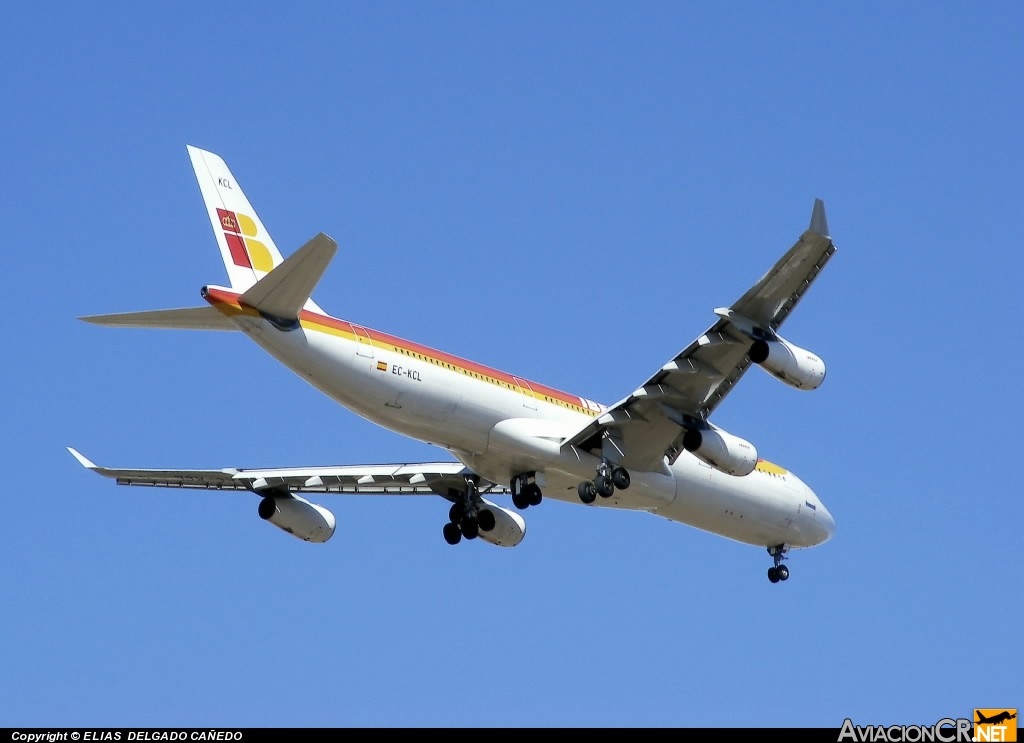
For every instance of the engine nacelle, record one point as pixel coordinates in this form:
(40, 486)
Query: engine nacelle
(300, 518)
(723, 451)
(509, 527)
(795, 366)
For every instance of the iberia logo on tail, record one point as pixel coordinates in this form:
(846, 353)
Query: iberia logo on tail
(240, 231)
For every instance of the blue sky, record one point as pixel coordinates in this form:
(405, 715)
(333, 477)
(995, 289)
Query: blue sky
(565, 191)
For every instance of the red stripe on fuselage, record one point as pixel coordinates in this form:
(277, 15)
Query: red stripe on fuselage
(219, 296)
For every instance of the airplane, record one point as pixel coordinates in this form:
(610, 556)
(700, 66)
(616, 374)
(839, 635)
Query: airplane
(995, 719)
(655, 450)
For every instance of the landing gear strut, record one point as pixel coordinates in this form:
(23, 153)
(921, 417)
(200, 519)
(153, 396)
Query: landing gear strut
(778, 571)
(466, 518)
(525, 492)
(608, 479)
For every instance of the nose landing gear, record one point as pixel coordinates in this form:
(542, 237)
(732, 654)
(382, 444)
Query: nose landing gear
(778, 571)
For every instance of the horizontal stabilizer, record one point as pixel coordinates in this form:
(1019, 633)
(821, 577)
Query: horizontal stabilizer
(186, 318)
(283, 292)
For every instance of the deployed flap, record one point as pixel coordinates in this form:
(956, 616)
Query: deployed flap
(188, 318)
(283, 292)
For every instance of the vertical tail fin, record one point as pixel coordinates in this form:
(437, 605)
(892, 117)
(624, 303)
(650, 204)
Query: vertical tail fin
(248, 251)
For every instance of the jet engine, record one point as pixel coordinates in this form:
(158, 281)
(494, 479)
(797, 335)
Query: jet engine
(795, 366)
(300, 518)
(723, 451)
(509, 527)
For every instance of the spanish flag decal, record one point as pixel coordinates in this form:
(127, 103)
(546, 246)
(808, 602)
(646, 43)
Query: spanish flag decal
(381, 366)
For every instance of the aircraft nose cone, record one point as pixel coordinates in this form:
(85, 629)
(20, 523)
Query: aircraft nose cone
(820, 523)
(826, 522)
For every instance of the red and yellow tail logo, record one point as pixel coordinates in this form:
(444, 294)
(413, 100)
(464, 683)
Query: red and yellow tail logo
(239, 231)
(995, 725)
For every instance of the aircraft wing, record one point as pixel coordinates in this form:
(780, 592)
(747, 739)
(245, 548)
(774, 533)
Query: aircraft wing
(648, 425)
(432, 478)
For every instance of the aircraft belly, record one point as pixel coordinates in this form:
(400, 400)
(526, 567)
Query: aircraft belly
(755, 509)
(428, 412)
(533, 445)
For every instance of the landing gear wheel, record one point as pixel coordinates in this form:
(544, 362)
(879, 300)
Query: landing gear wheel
(456, 512)
(533, 494)
(587, 492)
(778, 571)
(485, 520)
(620, 478)
(520, 500)
(470, 528)
(452, 534)
(604, 486)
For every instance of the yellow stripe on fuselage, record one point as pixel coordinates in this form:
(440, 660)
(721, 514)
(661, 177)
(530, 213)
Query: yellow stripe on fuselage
(446, 361)
(227, 303)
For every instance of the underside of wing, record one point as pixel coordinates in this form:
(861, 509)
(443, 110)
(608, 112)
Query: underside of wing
(429, 478)
(769, 302)
(670, 411)
(471, 515)
(649, 425)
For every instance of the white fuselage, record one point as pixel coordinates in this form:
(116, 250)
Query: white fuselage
(502, 426)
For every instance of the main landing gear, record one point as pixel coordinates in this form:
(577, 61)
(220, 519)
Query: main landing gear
(778, 571)
(466, 518)
(607, 481)
(525, 492)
